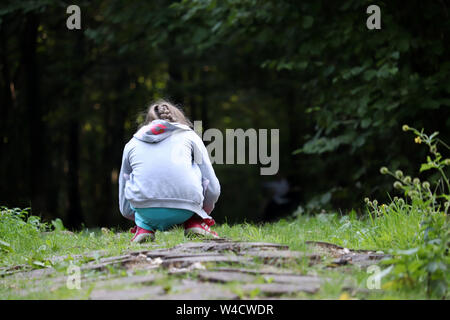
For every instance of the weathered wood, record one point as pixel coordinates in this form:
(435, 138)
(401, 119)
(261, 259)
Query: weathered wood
(196, 256)
(129, 280)
(278, 256)
(112, 261)
(229, 276)
(35, 273)
(93, 255)
(183, 254)
(293, 279)
(195, 290)
(325, 248)
(266, 269)
(216, 276)
(184, 262)
(200, 293)
(227, 246)
(127, 294)
(343, 256)
(58, 282)
(279, 289)
(7, 271)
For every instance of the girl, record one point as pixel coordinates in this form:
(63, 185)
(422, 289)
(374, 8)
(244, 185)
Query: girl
(166, 176)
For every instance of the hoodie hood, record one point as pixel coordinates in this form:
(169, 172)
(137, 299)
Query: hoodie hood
(158, 130)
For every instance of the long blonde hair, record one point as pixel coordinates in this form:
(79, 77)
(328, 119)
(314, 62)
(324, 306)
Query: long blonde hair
(164, 110)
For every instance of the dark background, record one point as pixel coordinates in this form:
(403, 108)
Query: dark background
(338, 92)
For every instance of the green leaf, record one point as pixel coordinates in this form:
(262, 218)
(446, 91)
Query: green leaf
(369, 74)
(395, 55)
(216, 26)
(302, 65)
(325, 144)
(366, 122)
(58, 224)
(426, 166)
(408, 252)
(385, 272)
(5, 246)
(308, 22)
(39, 263)
(433, 266)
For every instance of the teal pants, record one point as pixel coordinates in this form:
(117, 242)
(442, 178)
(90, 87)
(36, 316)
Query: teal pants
(161, 219)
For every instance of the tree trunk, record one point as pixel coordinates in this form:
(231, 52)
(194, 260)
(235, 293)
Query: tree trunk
(75, 217)
(75, 214)
(6, 100)
(7, 95)
(33, 100)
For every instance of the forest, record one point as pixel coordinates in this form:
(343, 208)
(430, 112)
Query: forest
(338, 92)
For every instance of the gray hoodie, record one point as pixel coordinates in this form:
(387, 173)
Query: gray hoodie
(166, 165)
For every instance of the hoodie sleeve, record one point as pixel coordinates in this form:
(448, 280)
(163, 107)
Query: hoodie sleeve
(125, 171)
(210, 182)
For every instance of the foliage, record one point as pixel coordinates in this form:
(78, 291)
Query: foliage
(19, 229)
(351, 87)
(346, 230)
(69, 100)
(18, 223)
(426, 263)
(21, 236)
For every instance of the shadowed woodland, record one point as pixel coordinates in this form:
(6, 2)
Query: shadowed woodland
(338, 92)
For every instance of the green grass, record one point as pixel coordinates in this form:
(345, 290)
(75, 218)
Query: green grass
(397, 230)
(390, 232)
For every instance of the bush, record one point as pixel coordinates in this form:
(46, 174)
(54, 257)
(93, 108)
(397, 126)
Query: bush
(425, 265)
(19, 231)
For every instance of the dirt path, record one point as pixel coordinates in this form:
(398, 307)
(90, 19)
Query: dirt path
(212, 269)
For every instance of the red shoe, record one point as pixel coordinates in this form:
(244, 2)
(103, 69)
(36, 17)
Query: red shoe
(133, 230)
(143, 235)
(198, 226)
(209, 222)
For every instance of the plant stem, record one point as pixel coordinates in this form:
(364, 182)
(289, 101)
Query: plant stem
(443, 143)
(445, 179)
